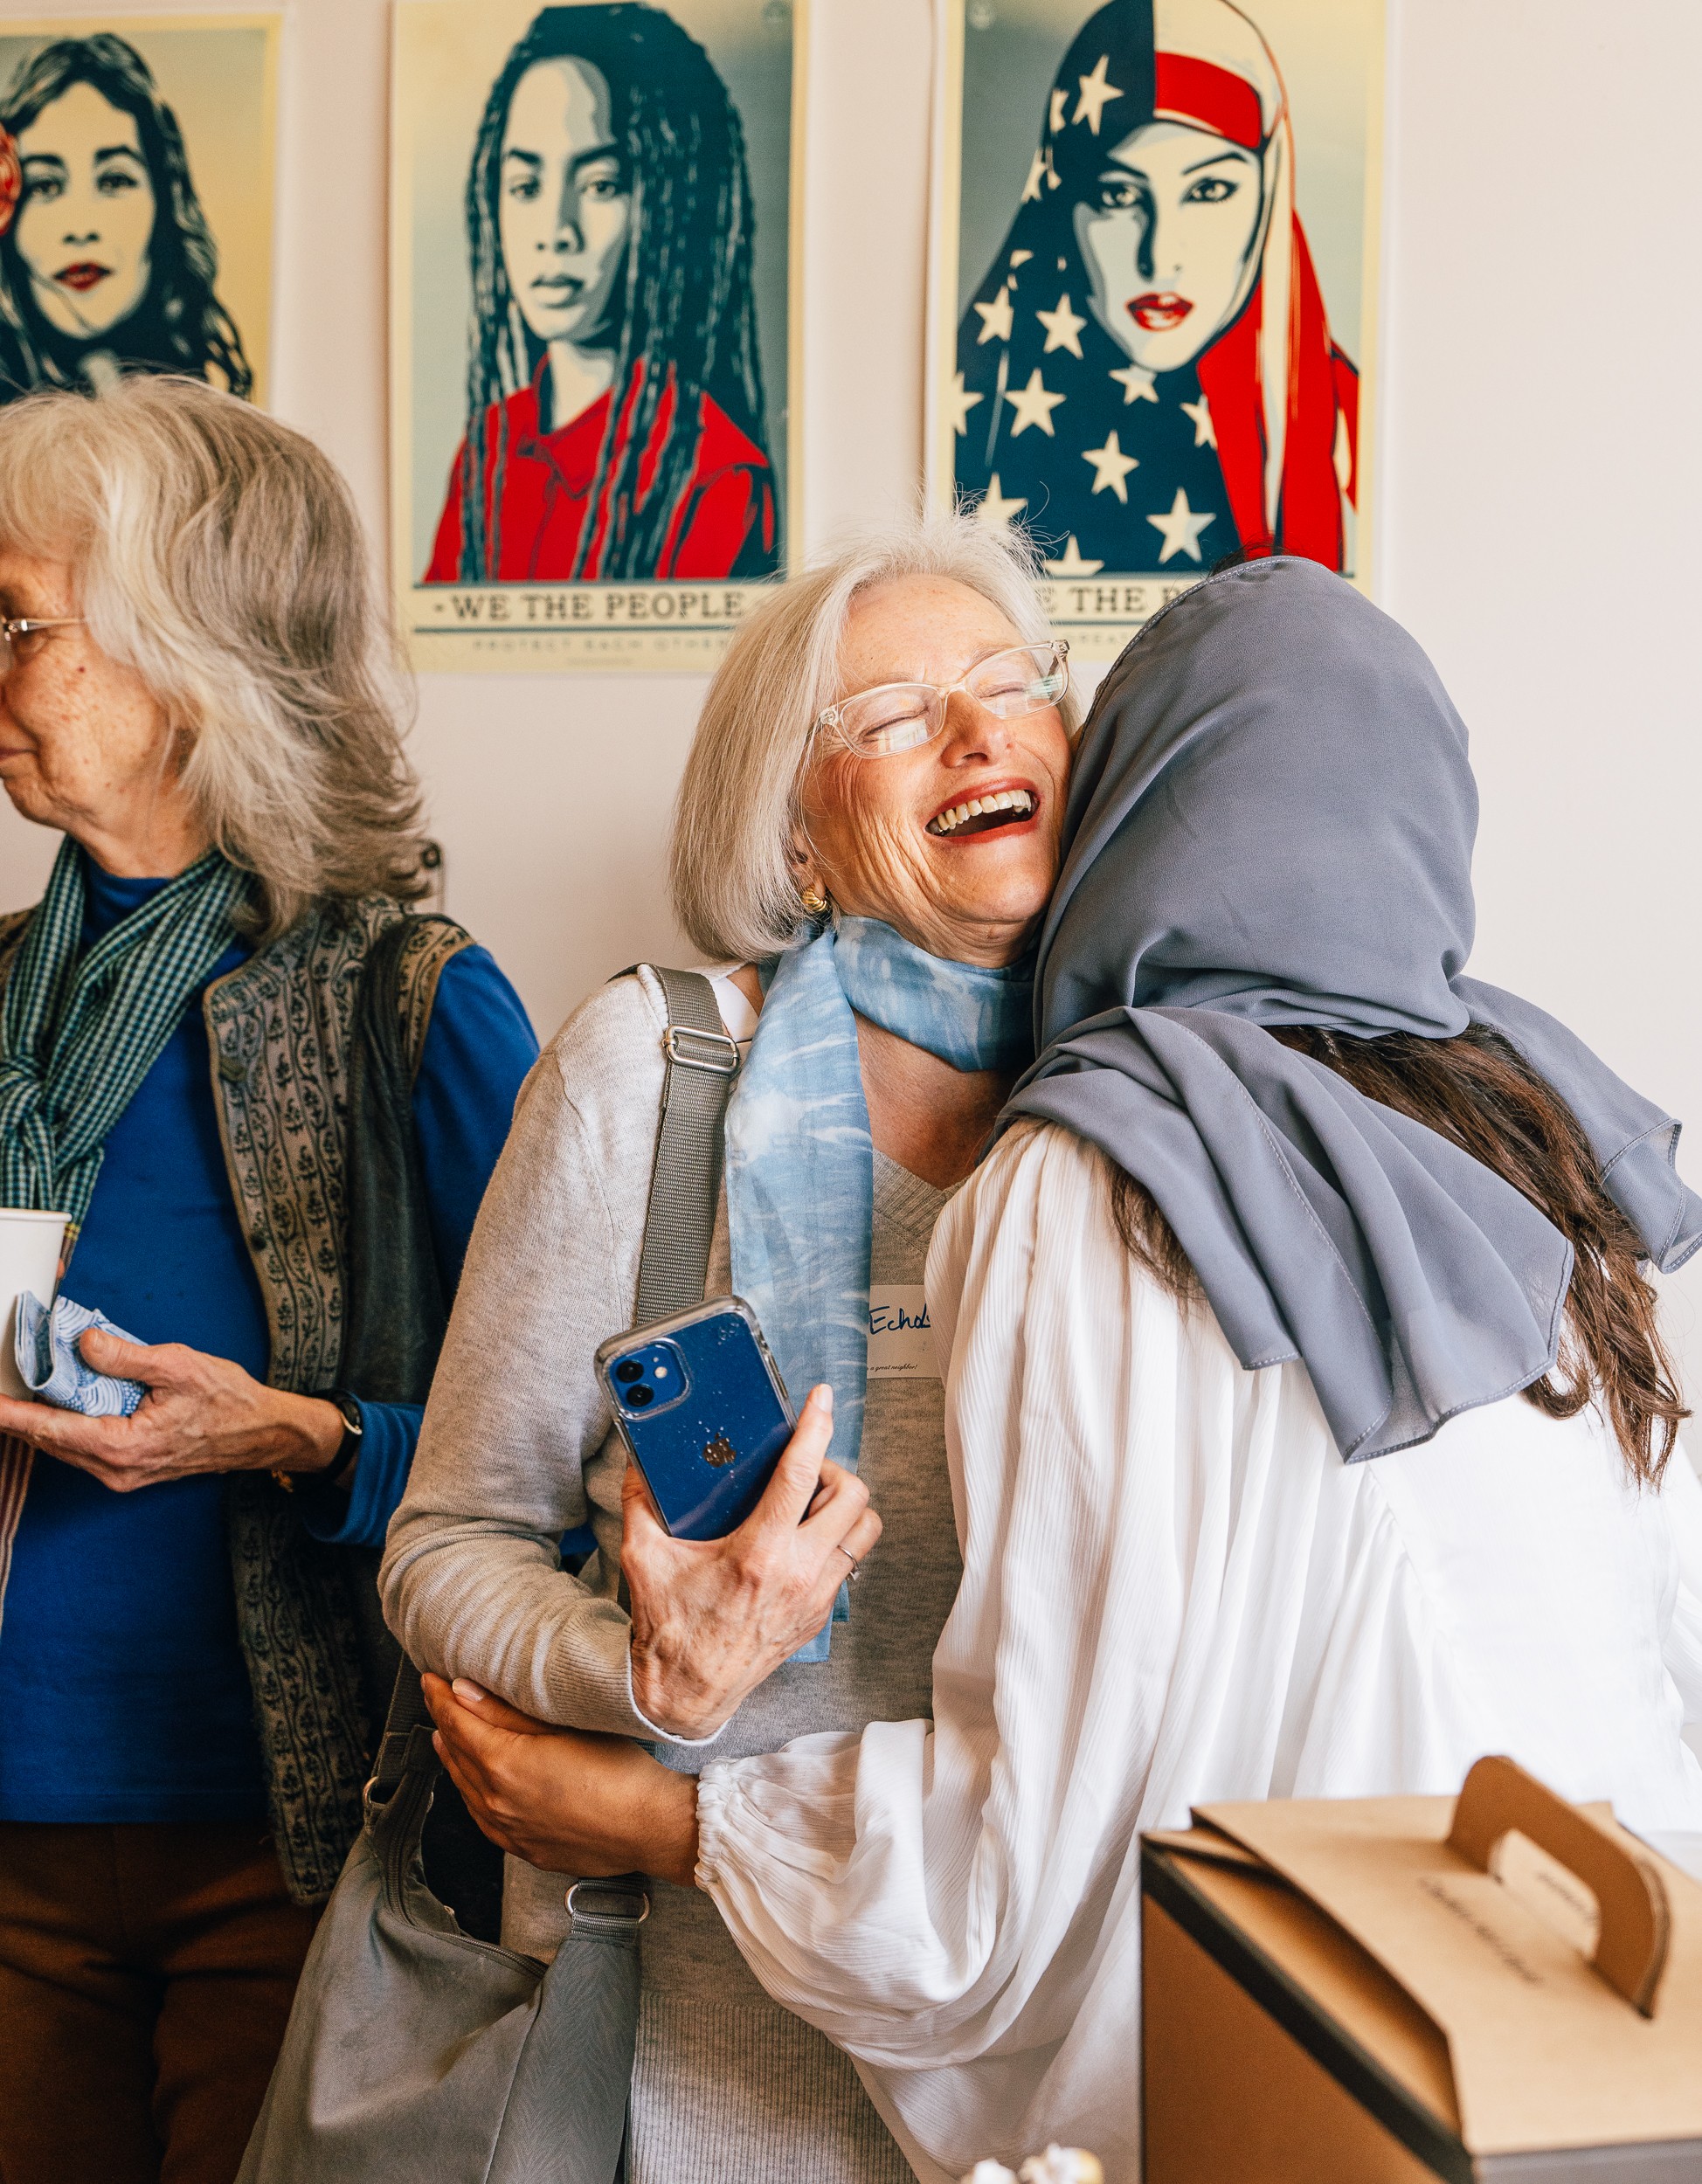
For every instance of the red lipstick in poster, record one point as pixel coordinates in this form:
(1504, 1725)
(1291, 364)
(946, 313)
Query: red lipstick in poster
(11, 179)
(1156, 314)
(83, 276)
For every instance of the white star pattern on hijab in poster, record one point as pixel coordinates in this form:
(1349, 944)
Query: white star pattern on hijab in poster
(1145, 375)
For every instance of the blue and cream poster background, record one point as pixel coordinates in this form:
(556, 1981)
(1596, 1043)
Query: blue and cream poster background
(1153, 280)
(467, 347)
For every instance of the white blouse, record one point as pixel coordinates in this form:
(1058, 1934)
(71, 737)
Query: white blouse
(1174, 1591)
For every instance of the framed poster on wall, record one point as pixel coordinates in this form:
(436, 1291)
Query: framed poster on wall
(1153, 274)
(594, 327)
(136, 168)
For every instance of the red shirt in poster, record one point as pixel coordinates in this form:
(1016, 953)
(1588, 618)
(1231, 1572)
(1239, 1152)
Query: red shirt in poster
(724, 524)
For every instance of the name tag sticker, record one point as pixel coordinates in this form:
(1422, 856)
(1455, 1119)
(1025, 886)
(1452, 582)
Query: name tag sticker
(900, 1341)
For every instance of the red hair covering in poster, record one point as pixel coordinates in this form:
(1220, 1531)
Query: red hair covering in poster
(1112, 303)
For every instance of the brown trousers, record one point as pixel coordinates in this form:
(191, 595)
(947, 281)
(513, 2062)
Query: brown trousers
(146, 1973)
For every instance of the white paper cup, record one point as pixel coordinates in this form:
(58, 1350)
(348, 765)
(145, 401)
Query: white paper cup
(29, 1260)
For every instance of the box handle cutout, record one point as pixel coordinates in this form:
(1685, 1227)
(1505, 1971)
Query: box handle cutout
(1630, 1951)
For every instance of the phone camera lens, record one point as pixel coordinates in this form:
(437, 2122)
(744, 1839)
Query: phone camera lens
(628, 1370)
(639, 1397)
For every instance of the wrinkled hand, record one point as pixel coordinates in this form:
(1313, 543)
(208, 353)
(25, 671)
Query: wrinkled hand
(563, 1799)
(713, 1618)
(200, 1413)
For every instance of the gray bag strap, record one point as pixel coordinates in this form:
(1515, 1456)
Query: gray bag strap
(703, 1060)
(588, 2024)
(685, 1185)
(679, 1227)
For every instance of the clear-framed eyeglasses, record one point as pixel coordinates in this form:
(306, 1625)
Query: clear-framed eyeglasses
(895, 717)
(22, 627)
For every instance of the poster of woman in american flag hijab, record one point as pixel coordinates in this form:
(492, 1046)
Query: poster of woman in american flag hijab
(1154, 287)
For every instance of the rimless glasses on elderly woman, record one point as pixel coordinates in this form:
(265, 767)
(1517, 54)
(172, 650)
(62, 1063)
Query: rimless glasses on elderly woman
(1010, 683)
(17, 626)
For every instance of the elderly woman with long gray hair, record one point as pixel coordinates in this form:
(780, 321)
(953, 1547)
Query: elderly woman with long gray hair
(867, 838)
(267, 1097)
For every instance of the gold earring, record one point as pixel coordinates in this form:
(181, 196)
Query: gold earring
(814, 899)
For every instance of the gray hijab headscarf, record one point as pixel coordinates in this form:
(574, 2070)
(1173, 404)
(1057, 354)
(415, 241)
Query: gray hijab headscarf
(1271, 823)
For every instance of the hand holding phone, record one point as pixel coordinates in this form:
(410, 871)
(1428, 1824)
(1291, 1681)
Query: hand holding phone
(739, 1531)
(713, 1618)
(703, 1412)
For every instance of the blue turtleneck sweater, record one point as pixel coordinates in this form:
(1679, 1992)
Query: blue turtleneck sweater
(123, 1692)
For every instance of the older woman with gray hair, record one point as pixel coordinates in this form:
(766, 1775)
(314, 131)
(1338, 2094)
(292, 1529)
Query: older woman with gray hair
(239, 1064)
(866, 838)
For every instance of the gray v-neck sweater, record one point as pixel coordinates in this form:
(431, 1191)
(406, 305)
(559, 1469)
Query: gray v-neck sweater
(517, 1447)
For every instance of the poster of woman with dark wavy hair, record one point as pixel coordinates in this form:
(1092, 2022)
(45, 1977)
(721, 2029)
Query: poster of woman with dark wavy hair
(136, 199)
(594, 335)
(1155, 285)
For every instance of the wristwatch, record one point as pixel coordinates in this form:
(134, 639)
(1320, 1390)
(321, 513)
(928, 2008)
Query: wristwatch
(348, 1449)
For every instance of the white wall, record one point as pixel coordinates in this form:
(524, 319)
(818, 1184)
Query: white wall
(1539, 444)
(1541, 452)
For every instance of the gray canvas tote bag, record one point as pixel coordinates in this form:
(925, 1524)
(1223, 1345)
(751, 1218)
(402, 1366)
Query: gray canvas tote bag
(413, 2050)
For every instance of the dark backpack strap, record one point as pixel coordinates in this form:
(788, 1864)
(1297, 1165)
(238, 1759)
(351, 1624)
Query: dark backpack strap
(685, 1184)
(396, 1311)
(406, 1742)
(395, 1306)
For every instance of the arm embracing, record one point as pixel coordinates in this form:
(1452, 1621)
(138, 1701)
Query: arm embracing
(512, 1450)
(960, 1892)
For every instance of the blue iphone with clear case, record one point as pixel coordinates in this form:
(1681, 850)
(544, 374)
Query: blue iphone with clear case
(703, 1412)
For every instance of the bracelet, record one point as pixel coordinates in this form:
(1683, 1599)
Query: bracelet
(348, 1449)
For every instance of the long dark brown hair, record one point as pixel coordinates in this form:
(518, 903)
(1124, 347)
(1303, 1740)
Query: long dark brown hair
(1478, 1093)
(180, 325)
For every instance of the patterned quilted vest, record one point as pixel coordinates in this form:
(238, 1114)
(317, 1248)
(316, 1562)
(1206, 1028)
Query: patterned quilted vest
(279, 1030)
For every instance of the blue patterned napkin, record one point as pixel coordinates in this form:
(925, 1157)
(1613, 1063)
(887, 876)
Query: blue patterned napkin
(49, 1362)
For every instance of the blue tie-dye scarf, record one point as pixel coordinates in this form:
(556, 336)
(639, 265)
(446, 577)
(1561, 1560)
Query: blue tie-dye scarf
(800, 1162)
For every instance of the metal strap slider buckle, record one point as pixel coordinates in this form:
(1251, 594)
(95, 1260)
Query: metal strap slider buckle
(721, 1060)
(621, 1898)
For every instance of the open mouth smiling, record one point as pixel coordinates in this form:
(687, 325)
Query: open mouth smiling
(984, 814)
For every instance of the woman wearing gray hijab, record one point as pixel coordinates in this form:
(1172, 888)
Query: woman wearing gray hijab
(1310, 1431)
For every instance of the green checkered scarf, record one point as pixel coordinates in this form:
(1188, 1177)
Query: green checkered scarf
(79, 1030)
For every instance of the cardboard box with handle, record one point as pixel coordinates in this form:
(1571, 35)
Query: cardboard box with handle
(1387, 1990)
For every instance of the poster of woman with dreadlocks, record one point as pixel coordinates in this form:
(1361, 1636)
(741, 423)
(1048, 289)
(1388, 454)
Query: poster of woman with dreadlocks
(619, 365)
(1154, 313)
(135, 200)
